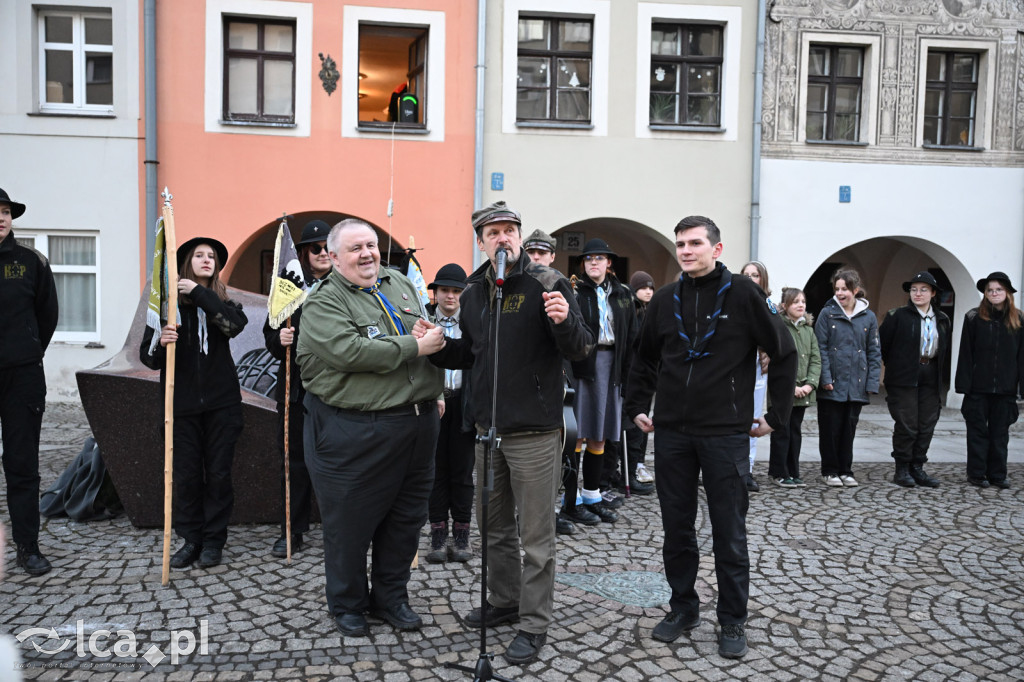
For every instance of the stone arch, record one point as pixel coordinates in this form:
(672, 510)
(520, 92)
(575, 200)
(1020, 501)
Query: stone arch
(638, 245)
(247, 268)
(884, 263)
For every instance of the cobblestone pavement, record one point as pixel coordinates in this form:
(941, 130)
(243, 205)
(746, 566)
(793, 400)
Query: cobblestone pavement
(868, 583)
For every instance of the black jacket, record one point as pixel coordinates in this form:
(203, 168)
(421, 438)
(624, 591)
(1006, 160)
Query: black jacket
(900, 337)
(623, 323)
(202, 381)
(28, 299)
(991, 357)
(713, 395)
(531, 347)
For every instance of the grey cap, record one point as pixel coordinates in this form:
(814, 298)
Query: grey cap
(539, 239)
(498, 212)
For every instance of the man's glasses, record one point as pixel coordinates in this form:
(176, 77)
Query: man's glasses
(317, 248)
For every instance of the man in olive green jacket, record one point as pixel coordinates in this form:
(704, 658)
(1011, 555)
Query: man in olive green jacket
(372, 404)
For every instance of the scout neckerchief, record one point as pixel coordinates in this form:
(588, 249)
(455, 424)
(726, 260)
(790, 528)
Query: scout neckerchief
(695, 351)
(385, 304)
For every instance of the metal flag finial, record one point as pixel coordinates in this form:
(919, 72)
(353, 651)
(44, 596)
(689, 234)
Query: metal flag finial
(166, 194)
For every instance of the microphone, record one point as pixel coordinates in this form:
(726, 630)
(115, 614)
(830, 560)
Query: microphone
(500, 258)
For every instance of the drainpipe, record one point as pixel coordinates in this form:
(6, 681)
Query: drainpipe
(149, 30)
(755, 179)
(478, 136)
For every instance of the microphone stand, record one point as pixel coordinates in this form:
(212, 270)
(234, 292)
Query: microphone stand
(484, 670)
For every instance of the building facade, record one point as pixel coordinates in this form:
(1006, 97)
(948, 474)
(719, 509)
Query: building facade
(893, 142)
(69, 128)
(616, 119)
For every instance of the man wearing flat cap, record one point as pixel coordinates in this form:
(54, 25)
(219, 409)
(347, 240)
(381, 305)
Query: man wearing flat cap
(915, 340)
(28, 298)
(540, 325)
(316, 265)
(453, 459)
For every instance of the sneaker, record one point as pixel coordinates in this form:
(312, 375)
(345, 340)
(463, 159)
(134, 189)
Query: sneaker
(460, 549)
(643, 475)
(611, 500)
(848, 480)
(732, 642)
(785, 482)
(798, 482)
(673, 625)
(438, 543)
(832, 480)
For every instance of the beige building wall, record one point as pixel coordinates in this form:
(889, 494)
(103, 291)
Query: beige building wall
(626, 182)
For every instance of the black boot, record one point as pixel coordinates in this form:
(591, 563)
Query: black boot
(438, 542)
(921, 478)
(32, 560)
(902, 476)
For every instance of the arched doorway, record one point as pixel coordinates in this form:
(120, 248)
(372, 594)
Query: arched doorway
(637, 246)
(250, 267)
(884, 263)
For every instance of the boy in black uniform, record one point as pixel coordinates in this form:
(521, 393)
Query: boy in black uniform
(28, 298)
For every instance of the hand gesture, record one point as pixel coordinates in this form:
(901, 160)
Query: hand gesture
(421, 327)
(431, 341)
(185, 286)
(556, 307)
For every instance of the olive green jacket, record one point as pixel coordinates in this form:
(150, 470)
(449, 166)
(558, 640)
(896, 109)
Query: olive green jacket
(808, 369)
(348, 354)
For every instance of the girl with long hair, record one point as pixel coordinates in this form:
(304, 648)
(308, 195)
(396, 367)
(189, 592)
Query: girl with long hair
(990, 374)
(756, 271)
(207, 400)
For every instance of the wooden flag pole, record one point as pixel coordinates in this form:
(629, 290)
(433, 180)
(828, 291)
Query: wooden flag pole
(287, 437)
(171, 263)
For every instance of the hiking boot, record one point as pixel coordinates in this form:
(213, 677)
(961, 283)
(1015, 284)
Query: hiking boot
(460, 549)
(32, 560)
(923, 479)
(438, 542)
(525, 648)
(673, 625)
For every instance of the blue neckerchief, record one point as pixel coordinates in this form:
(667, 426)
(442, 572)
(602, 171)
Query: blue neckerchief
(696, 351)
(393, 317)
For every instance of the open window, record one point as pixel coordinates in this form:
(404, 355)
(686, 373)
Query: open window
(393, 75)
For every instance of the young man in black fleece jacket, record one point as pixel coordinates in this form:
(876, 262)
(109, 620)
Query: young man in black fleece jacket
(702, 371)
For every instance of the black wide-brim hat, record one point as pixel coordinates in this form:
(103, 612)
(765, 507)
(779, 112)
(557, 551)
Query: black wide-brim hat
(924, 277)
(16, 209)
(999, 277)
(598, 246)
(314, 231)
(451, 275)
(183, 250)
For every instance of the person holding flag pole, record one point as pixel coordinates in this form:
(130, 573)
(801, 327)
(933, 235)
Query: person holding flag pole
(297, 268)
(203, 401)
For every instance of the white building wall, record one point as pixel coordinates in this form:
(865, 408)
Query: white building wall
(77, 173)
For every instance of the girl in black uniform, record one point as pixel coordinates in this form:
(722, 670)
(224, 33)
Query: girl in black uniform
(207, 401)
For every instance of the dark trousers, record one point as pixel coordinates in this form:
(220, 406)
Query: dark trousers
(453, 467)
(784, 458)
(915, 411)
(22, 401)
(298, 474)
(372, 474)
(988, 418)
(204, 449)
(837, 426)
(636, 444)
(724, 463)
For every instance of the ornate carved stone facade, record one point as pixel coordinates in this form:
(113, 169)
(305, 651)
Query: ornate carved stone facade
(898, 27)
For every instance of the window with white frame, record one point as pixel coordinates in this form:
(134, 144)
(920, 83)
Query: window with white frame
(955, 94)
(393, 73)
(259, 70)
(76, 62)
(555, 56)
(839, 88)
(688, 76)
(75, 265)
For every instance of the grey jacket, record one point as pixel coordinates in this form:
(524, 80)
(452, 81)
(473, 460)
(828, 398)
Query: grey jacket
(851, 357)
